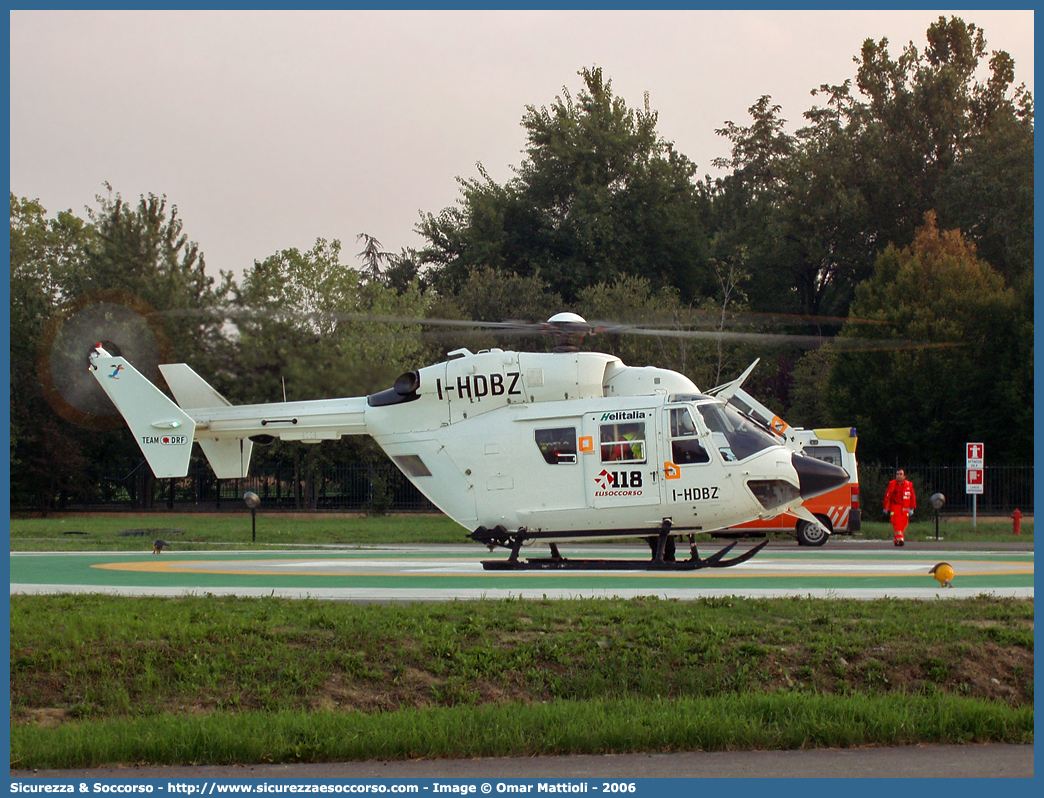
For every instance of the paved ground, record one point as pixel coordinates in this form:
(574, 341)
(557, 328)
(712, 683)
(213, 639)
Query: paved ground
(869, 569)
(932, 761)
(861, 569)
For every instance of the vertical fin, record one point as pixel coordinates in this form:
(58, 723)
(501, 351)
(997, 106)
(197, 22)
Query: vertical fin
(162, 430)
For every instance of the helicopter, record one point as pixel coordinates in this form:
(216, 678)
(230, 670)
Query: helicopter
(517, 447)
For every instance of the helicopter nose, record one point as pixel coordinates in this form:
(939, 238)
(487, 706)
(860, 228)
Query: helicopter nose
(816, 477)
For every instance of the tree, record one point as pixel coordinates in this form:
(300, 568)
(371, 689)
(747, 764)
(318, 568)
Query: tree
(143, 251)
(746, 204)
(989, 195)
(599, 196)
(372, 256)
(808, 406)
(302, 317)
(304, 331)
(759, 151)
(122, 259)
(829, 243)
(925, 114)
(634, 300)
(405, 271)
(46, 456)
(792, 207)
(922, 404)
(492, 296)
(920, 132)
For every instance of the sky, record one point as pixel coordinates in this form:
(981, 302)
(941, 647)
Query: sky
(270, 129)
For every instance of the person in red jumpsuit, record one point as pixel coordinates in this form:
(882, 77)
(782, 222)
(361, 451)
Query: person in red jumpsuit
(899, 503)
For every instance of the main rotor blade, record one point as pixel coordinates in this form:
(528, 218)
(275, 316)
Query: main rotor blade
(588, 328)
(780, 339)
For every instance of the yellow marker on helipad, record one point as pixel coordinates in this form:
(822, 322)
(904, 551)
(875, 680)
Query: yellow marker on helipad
(943, 574)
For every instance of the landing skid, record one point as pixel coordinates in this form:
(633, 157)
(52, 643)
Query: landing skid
(556, 562)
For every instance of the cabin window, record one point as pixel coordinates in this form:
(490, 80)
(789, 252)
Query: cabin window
(623, 443)
(411, 465)
(685, 447)
(558, 445)
(828, 454)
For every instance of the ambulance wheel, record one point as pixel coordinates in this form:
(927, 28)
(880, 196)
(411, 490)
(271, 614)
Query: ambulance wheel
(812, 535)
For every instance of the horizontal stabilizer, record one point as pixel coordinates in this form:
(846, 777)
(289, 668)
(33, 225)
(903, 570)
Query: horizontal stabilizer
(162, 430)
(230, 458)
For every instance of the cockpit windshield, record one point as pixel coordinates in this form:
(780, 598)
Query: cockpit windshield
(734, 435)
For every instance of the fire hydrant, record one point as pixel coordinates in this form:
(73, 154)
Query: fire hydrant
(1017, 519)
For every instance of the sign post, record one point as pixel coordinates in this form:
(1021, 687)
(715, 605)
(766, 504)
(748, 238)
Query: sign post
(974, 464)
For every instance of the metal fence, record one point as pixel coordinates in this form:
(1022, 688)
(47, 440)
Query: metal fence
(361, 487)
(381, 487)
(365, 487)
(1005, 488)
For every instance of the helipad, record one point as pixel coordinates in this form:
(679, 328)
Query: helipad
(439, 573)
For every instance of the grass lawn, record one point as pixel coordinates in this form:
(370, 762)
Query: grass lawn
(102, 680)
(191, 531)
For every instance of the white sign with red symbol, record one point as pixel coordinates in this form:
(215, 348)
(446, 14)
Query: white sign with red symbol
(974, 481)
(974, 459)
(974, 456)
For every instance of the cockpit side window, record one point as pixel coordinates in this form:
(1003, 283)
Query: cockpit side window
(685, 447)
(682, 425)
(558, 445)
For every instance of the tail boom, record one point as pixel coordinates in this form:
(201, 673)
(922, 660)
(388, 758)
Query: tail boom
(226, 433)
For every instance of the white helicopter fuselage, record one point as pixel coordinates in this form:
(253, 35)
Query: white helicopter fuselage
(569, 444)
(528, 440)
